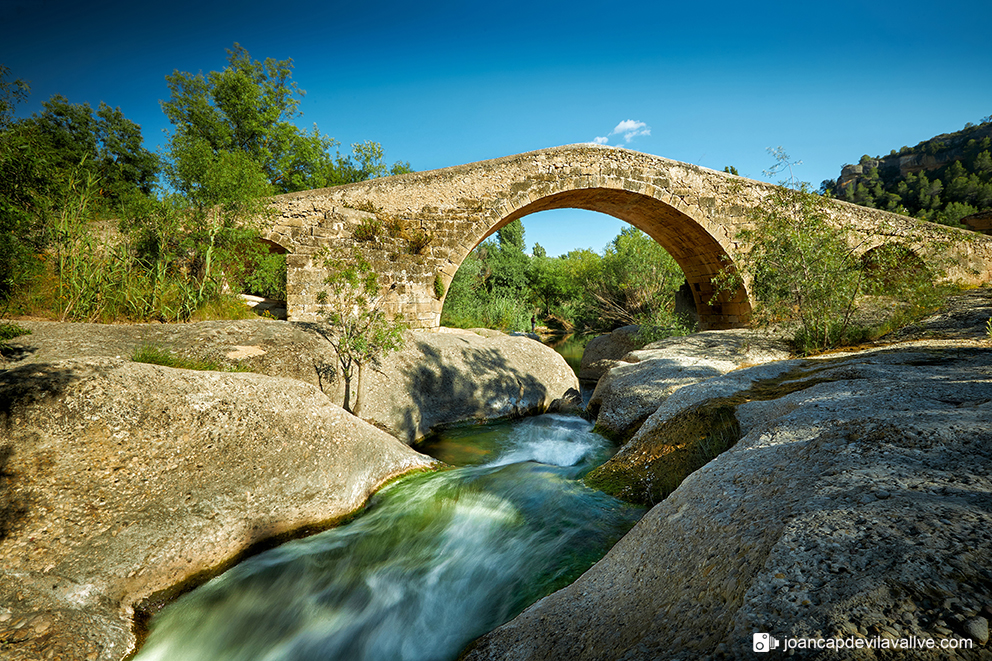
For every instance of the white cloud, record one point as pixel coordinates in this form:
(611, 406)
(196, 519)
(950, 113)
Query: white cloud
(601, 140)
(631, 128)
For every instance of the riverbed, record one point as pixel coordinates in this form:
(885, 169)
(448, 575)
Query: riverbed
(434, 561)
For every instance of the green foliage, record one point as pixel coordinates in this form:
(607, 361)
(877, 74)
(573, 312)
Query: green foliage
(264, 273)
(960, 187)
(511, 236)
(155, 355)
(368, 230)
(361, 332)
(176, 250)
(8, 331)
(499, 286)
(366, 162)
(23, 181)
(438, 287)
(804, 270)
(243, 112)
(246, 110)
(637, 284)
(105, 146)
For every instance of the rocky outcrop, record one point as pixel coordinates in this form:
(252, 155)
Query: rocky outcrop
(120, 481)
(439, 378)
(856, 503)
(605, 351)
(633, 389)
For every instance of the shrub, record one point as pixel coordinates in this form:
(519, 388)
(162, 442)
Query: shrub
(368, 230)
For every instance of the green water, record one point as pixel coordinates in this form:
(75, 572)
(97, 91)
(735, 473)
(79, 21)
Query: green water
(571, 347)
(435, 561)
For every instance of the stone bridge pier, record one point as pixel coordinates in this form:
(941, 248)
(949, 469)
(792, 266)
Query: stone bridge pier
(416, 229)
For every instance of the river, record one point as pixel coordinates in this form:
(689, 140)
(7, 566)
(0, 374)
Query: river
(434, 561)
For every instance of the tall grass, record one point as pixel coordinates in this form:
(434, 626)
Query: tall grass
(499, 312)
(156, 268)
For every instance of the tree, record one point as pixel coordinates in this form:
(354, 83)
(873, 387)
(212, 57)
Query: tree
(23, 183)
(511, 236)
(802, 268)
(638, 283)
(245, 109)
(248, 108)
(367, 164)
(105, 145)
(361, 332)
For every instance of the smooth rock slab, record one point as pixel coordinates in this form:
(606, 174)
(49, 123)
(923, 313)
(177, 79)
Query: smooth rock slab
(632, 390)
(121, 480)
(439, 378)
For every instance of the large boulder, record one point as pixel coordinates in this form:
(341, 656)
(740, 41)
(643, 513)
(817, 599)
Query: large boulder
(635, 387)
(605, 351)
(120, 481)
(856, 504)
(451, 376)
(439, 378)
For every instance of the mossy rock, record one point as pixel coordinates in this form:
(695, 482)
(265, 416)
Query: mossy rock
(669, 454)
(658, 458)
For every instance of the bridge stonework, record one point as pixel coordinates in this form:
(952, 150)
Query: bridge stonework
(416, 229)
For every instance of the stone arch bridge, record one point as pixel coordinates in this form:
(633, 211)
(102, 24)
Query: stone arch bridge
(416, 229)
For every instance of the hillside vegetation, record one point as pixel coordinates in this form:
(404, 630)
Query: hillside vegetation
(944, 179)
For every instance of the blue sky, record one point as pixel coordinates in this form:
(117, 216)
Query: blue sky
(444, 83)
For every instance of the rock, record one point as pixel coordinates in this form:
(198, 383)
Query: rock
(605, 351)
(120, 481)
(772, 536)
(628, 393)
(453, 376)
(440, 378)
(977, 628)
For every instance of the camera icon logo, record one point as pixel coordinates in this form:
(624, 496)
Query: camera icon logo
(763, 642)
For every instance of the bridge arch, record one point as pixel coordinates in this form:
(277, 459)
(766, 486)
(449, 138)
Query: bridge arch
(698, 254)
(416, 229)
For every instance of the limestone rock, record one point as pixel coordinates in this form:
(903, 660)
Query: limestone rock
(855, 503)
(120, 480)
(605, 351)
(440, 378)
(627, 394)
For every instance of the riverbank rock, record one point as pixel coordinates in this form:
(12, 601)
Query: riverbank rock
(455, 376)
(856, 503)
(635, 387)
(120, 481)
(438, 379)
(605, 351)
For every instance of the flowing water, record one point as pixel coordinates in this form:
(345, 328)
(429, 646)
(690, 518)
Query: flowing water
(435, 561)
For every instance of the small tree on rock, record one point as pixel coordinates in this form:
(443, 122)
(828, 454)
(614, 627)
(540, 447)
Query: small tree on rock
(361, 332)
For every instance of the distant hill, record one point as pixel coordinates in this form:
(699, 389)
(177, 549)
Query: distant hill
(946, 179)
